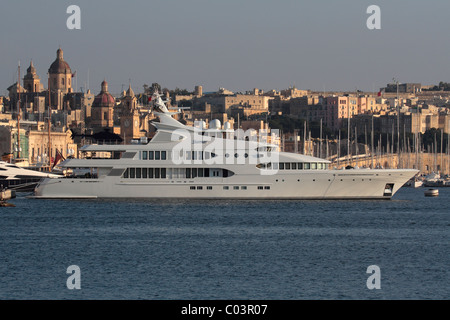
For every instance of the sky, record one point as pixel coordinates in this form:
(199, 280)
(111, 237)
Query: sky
(321, 45)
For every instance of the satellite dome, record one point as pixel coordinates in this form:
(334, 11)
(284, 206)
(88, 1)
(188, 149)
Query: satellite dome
(227, 126)
(215, 124)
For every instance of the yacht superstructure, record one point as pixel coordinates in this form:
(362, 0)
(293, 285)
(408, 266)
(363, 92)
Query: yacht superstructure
(188, 162)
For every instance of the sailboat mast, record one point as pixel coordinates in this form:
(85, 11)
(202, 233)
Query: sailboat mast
(442, 142)
(372, 142)
(398, 127)
(320, 141)
(348, 131)
(18, 115)
(49, 123)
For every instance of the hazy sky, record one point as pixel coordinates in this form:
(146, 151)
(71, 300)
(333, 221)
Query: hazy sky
(235, 44)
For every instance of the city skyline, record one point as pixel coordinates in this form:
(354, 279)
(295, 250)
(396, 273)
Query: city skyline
(238, 46)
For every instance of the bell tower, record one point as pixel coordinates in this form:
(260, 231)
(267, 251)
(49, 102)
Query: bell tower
(31, 81)
(129, 117)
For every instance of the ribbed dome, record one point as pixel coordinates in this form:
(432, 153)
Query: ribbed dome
(59, 65)
(104, 98)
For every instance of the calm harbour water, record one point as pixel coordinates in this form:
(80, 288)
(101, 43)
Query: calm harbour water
(284, 250)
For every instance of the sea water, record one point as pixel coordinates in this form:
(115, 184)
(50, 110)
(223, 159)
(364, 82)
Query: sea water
(233, 249)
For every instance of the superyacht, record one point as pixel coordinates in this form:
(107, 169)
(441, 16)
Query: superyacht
(193, 162)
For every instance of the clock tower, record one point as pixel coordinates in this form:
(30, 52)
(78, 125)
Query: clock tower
(129, 117)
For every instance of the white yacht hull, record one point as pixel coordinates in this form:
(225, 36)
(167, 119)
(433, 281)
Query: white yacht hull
(326, 184)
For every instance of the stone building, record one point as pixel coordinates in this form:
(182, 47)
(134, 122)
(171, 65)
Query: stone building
(60, 80)
(132, 125)
(102, 110)
(31, 81)
(34, 142)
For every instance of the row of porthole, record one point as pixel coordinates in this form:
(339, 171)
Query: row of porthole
(200, 188)
(236, 155)
(228, 188)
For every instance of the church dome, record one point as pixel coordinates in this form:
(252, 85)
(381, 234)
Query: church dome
(104, 98)
(59, 65)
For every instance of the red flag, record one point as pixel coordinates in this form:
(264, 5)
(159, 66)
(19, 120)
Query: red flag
(59, 156)
(149, 99)
(379, 93)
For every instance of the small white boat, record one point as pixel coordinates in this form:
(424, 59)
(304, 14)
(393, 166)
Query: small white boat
(431, 193)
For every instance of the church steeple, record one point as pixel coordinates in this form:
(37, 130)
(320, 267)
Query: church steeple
(104, 86)
(59, 54)
(31, 80)
(130, 91)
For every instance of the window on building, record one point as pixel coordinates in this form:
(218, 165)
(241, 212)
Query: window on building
(151, 155)
(163, 155)
(157, 155)
(157, 173)
(144, 155)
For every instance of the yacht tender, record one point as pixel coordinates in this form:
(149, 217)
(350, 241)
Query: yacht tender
(21, 179)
